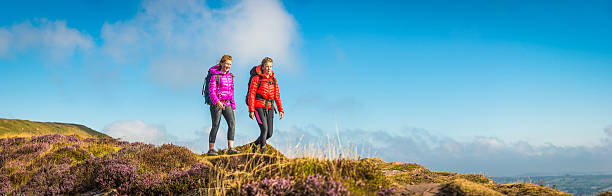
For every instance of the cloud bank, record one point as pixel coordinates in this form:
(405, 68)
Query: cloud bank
(138, 131)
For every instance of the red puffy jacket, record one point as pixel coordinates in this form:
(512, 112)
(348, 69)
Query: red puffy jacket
(264, 96)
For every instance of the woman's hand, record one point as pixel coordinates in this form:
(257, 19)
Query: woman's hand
(252, 115)
(281, 115)
(219, 104)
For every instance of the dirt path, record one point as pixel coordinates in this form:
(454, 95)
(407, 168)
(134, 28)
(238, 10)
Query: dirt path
(429, 189)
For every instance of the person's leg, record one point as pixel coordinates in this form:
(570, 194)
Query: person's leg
(260, 116)
(228, 114)
(270, 123)
(215, 115)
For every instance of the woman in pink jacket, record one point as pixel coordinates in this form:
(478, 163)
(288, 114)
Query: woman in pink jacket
(221, 93)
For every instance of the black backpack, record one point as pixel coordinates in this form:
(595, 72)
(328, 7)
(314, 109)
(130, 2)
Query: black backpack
(205, 87)
(253, 73)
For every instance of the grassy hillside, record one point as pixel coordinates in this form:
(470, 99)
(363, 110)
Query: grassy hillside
(68, 165)
(25, 128)
(57, 164)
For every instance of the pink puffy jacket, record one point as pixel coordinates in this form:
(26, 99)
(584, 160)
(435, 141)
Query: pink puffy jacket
(225, 91)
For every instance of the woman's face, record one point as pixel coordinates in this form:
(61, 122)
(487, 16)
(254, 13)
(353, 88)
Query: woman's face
(225, 66)
(267, 68)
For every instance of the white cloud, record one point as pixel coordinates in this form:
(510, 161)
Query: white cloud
(137, 131)
(489, 142)
(608, 131)
(53, 40)
(140, 131)
(180, 40)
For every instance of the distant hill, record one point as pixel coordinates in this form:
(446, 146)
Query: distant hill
(574, 184)
(26, 128)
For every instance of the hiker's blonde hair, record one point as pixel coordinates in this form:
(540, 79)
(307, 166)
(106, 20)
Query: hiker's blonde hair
(266, 60)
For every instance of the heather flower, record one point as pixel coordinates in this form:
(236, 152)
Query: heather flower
(385, 191)
(312, 185)
(146, 183)
(182, 181)
(5, 143)
(277, 186)
(117, 174)
(32, 148)
(50, 180)
(72, 139)
(5, 184)
(319, 185)
(49, 139)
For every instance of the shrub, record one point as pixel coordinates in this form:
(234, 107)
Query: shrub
(31, 148)
(20, 177)
(50, 180)
(49, 139)
(5, 184)
(362, 176)
(166, 158)
(117, 174)
(72, 139)
(107, 173)
(198, 176)
(385, 191)
(73, 154)
(10, 143)
(312, 185)
(277, 186)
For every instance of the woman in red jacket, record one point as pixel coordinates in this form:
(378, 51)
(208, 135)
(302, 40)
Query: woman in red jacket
(263, 93)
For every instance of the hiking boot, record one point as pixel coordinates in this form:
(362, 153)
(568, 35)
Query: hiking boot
(254, 147)
(231, 151)
(212, 152)
(262, 150)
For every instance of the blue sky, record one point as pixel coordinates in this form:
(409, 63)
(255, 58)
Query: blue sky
(528, 80)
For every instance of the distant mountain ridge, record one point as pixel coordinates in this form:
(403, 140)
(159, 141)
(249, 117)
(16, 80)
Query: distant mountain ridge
(26, 128)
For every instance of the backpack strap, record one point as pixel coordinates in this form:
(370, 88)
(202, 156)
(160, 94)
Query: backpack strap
(258, 84)
(218, 84)
(205, 82)
(203, 86)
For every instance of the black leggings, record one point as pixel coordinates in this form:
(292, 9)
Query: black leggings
(215, 114)
(264, 120)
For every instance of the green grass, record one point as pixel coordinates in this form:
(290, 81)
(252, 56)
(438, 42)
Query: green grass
(99, 150)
